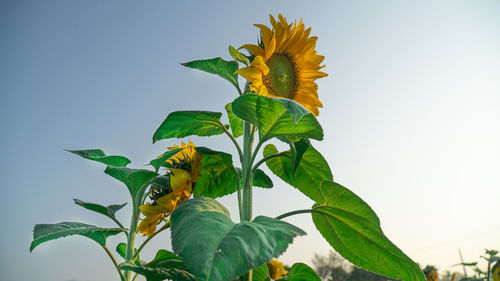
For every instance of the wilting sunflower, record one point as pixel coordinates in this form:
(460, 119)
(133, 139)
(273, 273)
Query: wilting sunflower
(187, 159)
(165, 199)
(276, 269)
(285, 64)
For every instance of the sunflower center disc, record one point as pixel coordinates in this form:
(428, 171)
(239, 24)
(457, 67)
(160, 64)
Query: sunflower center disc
(282, 75)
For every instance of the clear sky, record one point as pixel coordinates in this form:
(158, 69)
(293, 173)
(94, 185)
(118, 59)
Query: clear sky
(411, 116)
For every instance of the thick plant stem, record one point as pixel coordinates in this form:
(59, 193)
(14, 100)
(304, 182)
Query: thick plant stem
(114, 262)
(131, 238)
(247, 177)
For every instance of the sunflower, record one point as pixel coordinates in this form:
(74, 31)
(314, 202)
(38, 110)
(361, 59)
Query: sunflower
(165, 200)
(187, 159)
(285, 64)
(276, 269)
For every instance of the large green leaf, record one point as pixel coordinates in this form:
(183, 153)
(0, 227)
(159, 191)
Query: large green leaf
(276, 117)
(235, 122)
(181, 124)
(108, 211)
(216, 249)
(217, 174)
(132, 178)
(311, 170)
(224, 69)
(165, 265)
(46, 232)
(99, 156)
(301, 272)
(160, 161)
(353, 230)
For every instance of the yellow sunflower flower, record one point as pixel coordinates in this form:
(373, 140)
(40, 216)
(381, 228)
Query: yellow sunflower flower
(189, 157)
(276, 269)
(285, 64)
(155, 213)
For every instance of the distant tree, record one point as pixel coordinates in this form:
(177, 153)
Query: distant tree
(336, 268)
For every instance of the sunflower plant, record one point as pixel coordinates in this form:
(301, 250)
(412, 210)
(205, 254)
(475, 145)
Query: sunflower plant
(279, 102)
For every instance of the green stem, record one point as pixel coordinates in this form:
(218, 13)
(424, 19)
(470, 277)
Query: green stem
(246, 166)
(267, 158)
(131, 236)
(233, 140)
(167, 225)
(294, 213)
(122, 277)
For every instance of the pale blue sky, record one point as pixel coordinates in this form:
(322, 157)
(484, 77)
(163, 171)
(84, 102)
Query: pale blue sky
(411, 116)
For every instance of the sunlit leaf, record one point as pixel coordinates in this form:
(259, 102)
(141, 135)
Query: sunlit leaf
(238, 56)
(311, 170)
(276, 117)
(353, 230)
(108, 211)
(224, 69)
(217, 174)
(181, 124)
(301, 272)
(158, 162)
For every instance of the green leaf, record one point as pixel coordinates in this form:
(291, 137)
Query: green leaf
(46, 232)
(99, 156)
(301, 272)
(261, 273)
(260, 178)
(224, 69)
(181, 124)
(216, 249)
(276, 117)
(158, 162)
(235, 122)
(159, 273)
(297, 150)
(217, 174)
(132, 178)
(108, 211)
(238, 56)
(310, 172)
(121, 249)
(353, 230)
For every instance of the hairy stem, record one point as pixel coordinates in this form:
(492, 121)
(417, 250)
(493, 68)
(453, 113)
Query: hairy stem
(294, 213)
(122, 277)
(167, 225)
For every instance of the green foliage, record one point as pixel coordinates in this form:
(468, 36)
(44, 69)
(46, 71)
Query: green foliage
(46, 232)
(108, 211)
(158, 162)
(99, 156)
(224, 69)
(217, 174)
(235, 122)
(310, 172)
(134, 179)
(297, 150)
(260, 178)
(216, 249)
(121, 249)
(165, 265)
(301, 272)
(275, 117)
(238, 56)
(261, 273)
(181, 124)
(353, 230)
